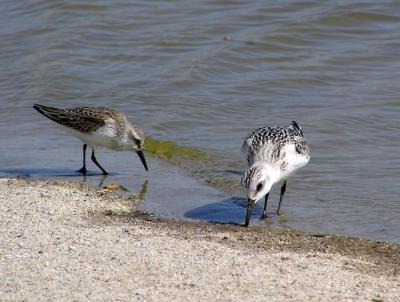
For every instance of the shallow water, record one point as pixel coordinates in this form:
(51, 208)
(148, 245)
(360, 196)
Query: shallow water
(332, 66)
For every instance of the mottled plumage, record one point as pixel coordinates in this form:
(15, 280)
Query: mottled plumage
(267, 144)
(272, 154)
(98, 126)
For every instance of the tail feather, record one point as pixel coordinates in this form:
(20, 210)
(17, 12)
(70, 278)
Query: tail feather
(72, 118)
(297, 127)
(55, 114)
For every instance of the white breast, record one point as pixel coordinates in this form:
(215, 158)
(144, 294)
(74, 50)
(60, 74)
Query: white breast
(293, 160)
(104, 136)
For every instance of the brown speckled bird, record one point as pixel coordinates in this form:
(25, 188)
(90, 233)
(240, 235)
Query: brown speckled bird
(98, 126)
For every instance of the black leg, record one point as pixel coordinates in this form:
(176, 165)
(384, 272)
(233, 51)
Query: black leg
(264, 215)
(97, 163)
(283, 190)
(250, 206)
(83, 169)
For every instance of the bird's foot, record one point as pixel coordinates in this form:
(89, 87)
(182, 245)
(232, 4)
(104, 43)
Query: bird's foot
(82, 171)
(264, 215)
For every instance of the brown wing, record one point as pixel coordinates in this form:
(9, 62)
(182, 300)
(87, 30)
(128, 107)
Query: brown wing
(84, 119)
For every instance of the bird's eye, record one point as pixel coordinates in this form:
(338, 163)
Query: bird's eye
(137, 141)
(259, 187)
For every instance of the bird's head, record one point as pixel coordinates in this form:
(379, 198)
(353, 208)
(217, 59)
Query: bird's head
(257, 180)
(136, 141)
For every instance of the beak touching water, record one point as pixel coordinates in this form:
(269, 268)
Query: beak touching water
(141, 156)
(250, 206)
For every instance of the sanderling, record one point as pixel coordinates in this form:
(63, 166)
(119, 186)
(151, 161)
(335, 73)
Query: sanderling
(98, 126)
(273, 154)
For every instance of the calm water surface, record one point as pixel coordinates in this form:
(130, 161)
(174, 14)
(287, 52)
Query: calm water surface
(332, 66)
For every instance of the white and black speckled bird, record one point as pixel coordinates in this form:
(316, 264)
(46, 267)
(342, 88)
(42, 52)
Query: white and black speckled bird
(98, 126)
(273, 154)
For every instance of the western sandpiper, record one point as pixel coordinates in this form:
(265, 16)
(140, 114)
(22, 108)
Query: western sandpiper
(98, 126)
(273, 154)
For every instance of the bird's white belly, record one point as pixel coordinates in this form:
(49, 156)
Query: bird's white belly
(102, 137)
(292, 161)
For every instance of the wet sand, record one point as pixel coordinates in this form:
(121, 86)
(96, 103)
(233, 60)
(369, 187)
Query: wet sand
(62, 241)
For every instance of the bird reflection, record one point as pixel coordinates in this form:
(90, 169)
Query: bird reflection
(100, 184)
(134, 197)
(138, 197)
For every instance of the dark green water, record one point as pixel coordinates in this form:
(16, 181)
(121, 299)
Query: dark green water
(334, 66)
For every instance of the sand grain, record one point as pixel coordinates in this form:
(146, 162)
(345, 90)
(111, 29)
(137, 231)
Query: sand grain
(69, 242)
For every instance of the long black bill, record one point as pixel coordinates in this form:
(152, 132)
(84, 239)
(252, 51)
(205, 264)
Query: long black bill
(141, 156)
(250, 206)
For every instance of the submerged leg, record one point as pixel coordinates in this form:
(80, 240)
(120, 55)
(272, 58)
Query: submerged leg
(83, 169)
(283, 190)
(97, 163)
(264, 215)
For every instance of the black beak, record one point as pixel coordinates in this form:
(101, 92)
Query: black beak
(250, 206)
(141, 156)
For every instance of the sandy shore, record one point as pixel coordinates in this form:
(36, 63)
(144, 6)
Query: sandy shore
(67, 242)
